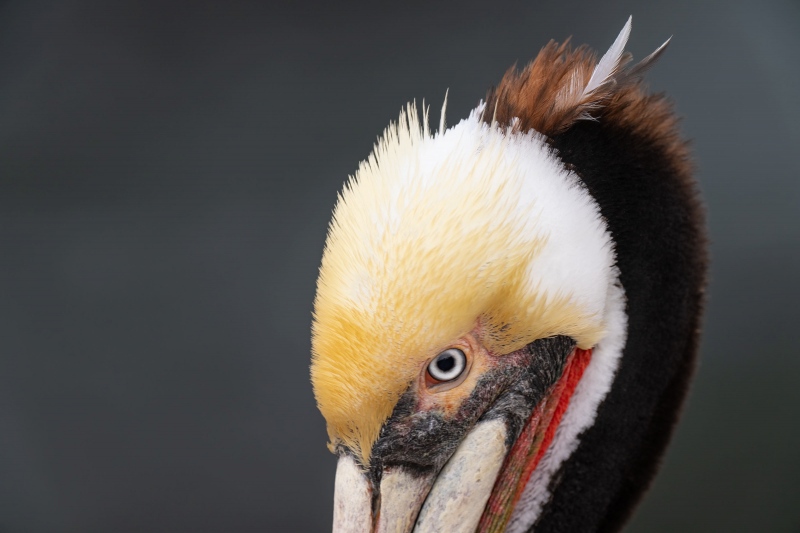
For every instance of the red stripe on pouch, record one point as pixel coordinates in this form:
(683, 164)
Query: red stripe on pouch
(531, 445)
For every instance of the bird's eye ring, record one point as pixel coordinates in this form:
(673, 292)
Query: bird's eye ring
(448, 365)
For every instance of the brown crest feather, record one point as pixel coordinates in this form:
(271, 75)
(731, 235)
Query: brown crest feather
(547, 96)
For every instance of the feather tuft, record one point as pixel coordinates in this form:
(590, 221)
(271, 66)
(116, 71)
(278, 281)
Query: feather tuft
(611, 62)
(552, 93)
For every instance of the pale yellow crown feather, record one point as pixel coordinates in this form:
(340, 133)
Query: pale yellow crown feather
(431, 235)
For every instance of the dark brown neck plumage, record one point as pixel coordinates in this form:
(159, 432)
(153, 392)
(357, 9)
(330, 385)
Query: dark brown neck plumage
(634, 163)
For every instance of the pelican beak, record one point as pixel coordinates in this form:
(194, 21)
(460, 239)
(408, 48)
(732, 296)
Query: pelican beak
(421, 501)
(481, 475)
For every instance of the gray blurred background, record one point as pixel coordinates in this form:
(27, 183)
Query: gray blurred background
(167, 172)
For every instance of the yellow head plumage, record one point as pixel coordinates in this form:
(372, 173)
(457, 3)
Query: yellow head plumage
(433, 234)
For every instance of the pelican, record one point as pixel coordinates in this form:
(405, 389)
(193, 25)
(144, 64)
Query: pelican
(508, 310)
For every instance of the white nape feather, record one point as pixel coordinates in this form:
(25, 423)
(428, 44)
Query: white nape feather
(442, 125)
(425, 118)
(611, 62)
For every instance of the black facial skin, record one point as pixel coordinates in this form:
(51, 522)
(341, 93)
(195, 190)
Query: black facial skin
(422, 442)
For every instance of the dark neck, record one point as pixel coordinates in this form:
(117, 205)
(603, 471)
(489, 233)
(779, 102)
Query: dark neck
(649, 200)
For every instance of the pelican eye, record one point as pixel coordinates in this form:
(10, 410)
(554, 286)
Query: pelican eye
(448, 365)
